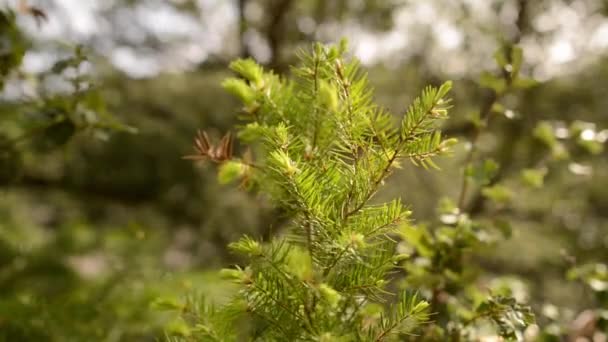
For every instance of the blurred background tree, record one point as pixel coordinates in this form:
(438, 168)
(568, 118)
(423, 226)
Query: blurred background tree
(111, 212)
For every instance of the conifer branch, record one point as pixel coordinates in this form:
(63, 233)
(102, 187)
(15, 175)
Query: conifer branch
(335, 261)
(423, 112)
(339, 254)
(374, 188)
(281, 305)
(273, 322)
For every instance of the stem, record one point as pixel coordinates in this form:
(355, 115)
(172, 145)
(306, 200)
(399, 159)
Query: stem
(309, 238)
(486, 109)
(376, 183)
(273, 322)
(385, 333)
(343, 251)
(316, 110)
(344, 85)
(283, 306)
(335, 261)
(521, 24)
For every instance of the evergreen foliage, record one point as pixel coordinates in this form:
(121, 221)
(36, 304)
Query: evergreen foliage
(323, 149)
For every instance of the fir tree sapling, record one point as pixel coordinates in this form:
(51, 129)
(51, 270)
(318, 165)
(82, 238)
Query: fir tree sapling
(322, 149)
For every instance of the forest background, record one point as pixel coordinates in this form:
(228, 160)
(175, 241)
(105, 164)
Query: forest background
(97, 223)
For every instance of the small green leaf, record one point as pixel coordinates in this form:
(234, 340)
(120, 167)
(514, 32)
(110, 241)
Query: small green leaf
(247, 246)
(331, 296)
(283, 163)
(487, 80)
(352, 240)
(300, 264)
(328, 96)
(499, 194)
(524, 82)
(559, 152)
(594, 275)
(444, 89)
(178, 327)
(167, 304)
(250, 70)
(516, 60)
(231, 273)
(401, 257)
(343, 45)
(498, 108)
(544, 132)
(501, 58)
(475, 119)
(446, 205)
(281, 134)
(418, 238)
(533, 177)
(507, 314)
(483, 173)
(240, 89)
(591, 146)
(231, 171)
(252, 131)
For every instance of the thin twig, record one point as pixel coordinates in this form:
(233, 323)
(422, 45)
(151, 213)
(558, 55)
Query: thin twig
(486, 109)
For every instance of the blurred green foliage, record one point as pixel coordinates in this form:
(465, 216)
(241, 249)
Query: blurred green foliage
(97, 222)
